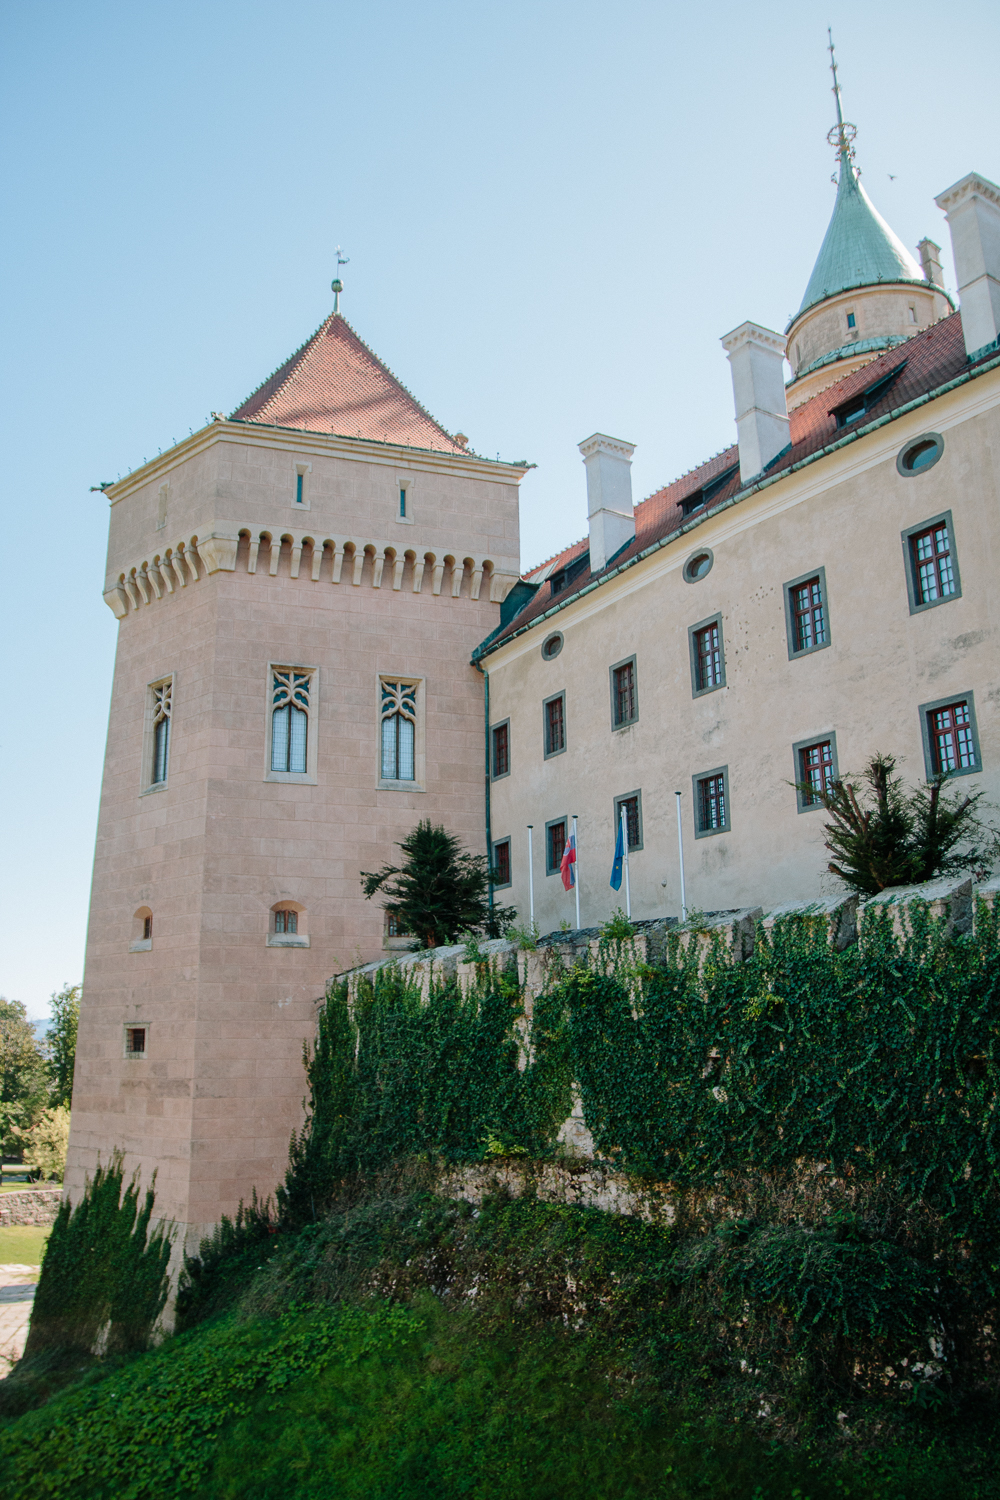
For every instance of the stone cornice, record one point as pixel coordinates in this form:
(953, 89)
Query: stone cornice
(753, 333)
(330, 559)
(971, 186)
(601, 443)
(330, 445)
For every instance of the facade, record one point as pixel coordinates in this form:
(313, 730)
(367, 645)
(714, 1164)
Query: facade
(322, 621)
(820, 591)
(299, 589)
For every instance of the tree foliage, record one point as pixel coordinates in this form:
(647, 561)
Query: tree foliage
(45, 1143)
(61, 1039)
(23, 1079)
(881, 835)
(440, 890)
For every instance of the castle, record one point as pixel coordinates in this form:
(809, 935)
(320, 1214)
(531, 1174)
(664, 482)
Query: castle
(325, 637)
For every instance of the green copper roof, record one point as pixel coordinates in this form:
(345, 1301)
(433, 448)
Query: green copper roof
(859, 248)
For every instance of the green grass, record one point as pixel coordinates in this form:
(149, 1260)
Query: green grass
(387, 1403)
(23, 1244)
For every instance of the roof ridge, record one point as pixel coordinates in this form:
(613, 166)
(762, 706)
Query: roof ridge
(383, 366)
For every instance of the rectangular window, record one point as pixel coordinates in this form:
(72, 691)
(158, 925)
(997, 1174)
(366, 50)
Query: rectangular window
(147, 928)
(807, 619)
(501, 863)
(554, 711)
(931, 564)
(555, 844)
(286, 921)
(624, 699)
(850, 321)
(934, 576)
(708, 661)
(501, 750)
(393, 926)
(399, 731)
(289, 720)
(815, 770)
(950, 740)
(135, 1041)
(711, 802)
(300, 480)
(402, 501)
(632, 803)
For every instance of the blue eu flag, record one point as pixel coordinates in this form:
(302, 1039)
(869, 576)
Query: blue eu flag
(616, 868)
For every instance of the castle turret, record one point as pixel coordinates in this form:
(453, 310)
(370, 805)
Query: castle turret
(866, 293)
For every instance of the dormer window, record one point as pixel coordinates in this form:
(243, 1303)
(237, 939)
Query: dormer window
(859, 405)
(563, 577)
(708, 492)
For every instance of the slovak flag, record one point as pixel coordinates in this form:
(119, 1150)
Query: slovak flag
(566, 868)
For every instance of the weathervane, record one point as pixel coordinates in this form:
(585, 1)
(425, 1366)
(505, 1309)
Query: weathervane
(843, 133)
(336, 285)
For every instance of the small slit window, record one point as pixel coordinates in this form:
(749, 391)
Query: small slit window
(162, 710)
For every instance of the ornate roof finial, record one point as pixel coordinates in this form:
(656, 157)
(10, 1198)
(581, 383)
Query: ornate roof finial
(336, 285)
(843, 133)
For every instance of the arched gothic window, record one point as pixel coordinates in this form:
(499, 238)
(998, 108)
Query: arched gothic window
(289, 719)
(161, 731)
(399, 727)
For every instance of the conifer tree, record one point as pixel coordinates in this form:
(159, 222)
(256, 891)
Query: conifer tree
(440, 890)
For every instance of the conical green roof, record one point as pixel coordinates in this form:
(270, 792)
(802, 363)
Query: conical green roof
(859, 248)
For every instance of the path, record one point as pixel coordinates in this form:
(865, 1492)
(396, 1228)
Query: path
(17, 1288)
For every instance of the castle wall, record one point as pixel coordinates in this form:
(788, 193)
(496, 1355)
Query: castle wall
(213, 1103)
(845, 514)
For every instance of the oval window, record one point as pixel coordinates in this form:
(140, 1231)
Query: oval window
(552, 646)
(698, 566)
(921, 454)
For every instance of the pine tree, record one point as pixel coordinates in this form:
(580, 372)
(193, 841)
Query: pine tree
(440, 890)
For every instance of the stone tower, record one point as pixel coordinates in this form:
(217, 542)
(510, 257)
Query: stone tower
(299, 588)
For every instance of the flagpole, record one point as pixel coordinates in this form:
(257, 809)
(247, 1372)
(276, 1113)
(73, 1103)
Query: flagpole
(531, 881)
(680, 851)
(576, 881)
(628, 892)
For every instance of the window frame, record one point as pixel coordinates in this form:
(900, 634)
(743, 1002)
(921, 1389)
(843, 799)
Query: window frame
(307, 777)
(404, 486)
(926, 709)
(503, 885)
(496, 775)
(303, 471)
(801, 804)
(548, 754)
(147, 785)
(693, 632)
(727, 826)
(617, 803)
(419, 782)
(616, 667)
(922, 437)
(910, 561)
(131, 1026)
(794, 652)
(551, 869)
(693, 558)
(559, 638)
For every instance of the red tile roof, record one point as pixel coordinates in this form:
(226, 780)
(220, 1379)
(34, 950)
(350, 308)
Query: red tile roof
(334, 383)
(924, 362)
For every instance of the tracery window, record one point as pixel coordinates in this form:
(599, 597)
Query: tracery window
(162, 704)
(399, 730)
(289, 719)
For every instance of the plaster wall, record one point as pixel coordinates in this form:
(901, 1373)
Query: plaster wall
(213, 1103)
(845, 514)
(879, 312)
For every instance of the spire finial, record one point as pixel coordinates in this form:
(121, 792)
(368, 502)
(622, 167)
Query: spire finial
(336, 285)
(843, 133)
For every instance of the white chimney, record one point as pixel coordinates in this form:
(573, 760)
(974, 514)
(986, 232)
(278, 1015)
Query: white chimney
(756, 356)
(972, 208)
(608, 462)
(930, 262)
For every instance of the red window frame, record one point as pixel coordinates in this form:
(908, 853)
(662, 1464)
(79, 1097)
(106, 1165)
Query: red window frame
(631, 806)
(501, 862)
(809, 614)
(712, 803)
(816, 767)
(555, 725)
(624, 693)
(501, 750)
(708, 657)
(933, 569)
(953, 745)
(557, 845)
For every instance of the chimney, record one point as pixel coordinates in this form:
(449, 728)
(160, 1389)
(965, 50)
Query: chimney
(930, 262)
(756, 355)
(608, 462)
(972, 209)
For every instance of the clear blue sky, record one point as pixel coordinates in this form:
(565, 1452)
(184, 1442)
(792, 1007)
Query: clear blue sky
(552, 212)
